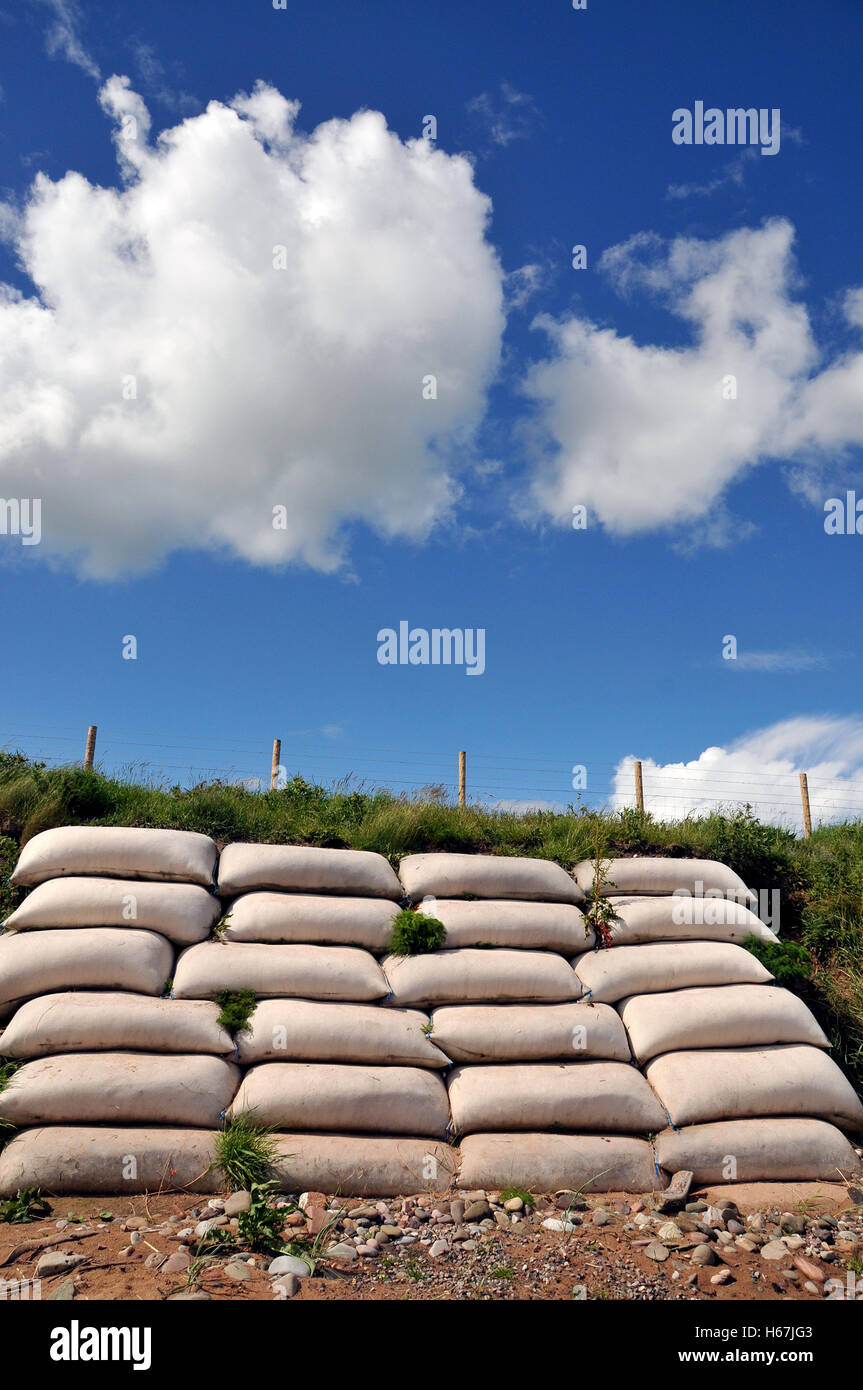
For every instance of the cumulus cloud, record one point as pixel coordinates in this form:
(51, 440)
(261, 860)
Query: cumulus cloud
(245, 324)
(762, 770)
(652, 437)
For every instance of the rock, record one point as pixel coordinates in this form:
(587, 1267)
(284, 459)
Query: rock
(134, 1223)
(289, 1282)
(127, 1252)
(457, 1210)
(469, 1245)
(289, 1264)
(155, 1261)
(369, 1249)
(809, 1269)
(197, 1297)
(724, 1238)
(793, 1242)
(177, 1263)
(314, 1199)
(676, 1192)
(792, 1224)
(393, 1232)
(774, 1250)
(238, 1271)
(475, 1211)
(714, 1218)
(810, 1287)
(856, 1196)
(342, 1251)
(656, 1251)
(438, 1247)
(703, 1255)
(669, 1231)
(237, 1202)
(63, 1293)
(696, 1206)
(601, 1217)
(734, 1227)
(513, 1204)
(746, 1243)
(316, 1220)
(57, 1262)
(210, 1225)
(135, 1238)
(724, 1276)
(554, 1223)
(502, 1219)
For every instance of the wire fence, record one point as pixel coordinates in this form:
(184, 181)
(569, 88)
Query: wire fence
(508, 781)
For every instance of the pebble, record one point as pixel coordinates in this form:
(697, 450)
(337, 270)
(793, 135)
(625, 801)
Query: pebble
(238, 1271)
(475, 1211)
(176, 1263)
(289, 1264)
(342, 1251)
(656, 1251)
(554, 1223)
(703, 1255)
(513, 1204)
(63, 1293)
(237, 1202)
(724, 1276)
(56, 1262)
(774, 1250)
(289, 1282)
(438, 1247)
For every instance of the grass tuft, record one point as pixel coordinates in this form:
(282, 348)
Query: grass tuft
(415, 934)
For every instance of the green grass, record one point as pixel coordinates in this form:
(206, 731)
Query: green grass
(28, 1205)
(820, 879)
(414, 934)
(245, 1152)
(510, 1192)
(237, 1007)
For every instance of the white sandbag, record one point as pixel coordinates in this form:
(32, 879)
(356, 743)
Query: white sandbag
(306, 869)
(78, 1160)
(486, 876)
(684, 919)
(502, 922)
(182, 912)
(717, 1016)
(300, 1030)
(305, 972)
(323, 1096)
(467, 976)
(736, 1083)
(312, 918)
(114, 851)
(529, 1032)
(119, 1088)
(362, 1165)
(775, 1150)
(113, 1022)
(649, 874)
(607, 1096)
(87, 958)
(611, 974)
(548, 1162)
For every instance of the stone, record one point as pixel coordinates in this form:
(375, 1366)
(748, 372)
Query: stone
(793, 1242)
(513, 1204)
(774, 1250)
(734, 1227)
(342, 1251)
(502, 1219)
(197, 1297)
(438, 1247)
(63, 1293)
(724, 1276)
(289, 1282)
(177, 1263)
(554, 1223)
(393, 1232)
(714, 1218)
(696, 1206)
(56, 1262)
(703, 1255)
(457, 1211)
(810, 1270)
(601, 1217)
(316, 1220)
(289, 1264)
(315, 1199)
(792, 1224)
(155, 1261)
(475, 1211)
(237, 1202)
(127, 1252)
(677, 1191)
(135, 1238)
(669, 1231)
(238, 1271)
(746, 1243)
(134, 1223)
(210, 1225)
(656, 1251)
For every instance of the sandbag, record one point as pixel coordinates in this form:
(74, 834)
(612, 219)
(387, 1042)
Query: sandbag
(649, 874)
(486, 876)
(717, 1016)
(287, 1030)
(362, 1165)
(113, 1022)
(181, 912)
(684, 919)
(306, 869)
(529, 1032)
(466, 976)
(611, 974)
(501, 922)
(775, 1150)
(306, 972)
(78, 1160)
(309, 1096)
(312, 918)
(548, 1162)
(119, 1088)
(114, 851)
(736, 1083)
(87, 958)
(608, 1096)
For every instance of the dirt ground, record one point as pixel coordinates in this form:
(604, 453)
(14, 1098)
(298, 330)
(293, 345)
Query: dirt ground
(522, 1261)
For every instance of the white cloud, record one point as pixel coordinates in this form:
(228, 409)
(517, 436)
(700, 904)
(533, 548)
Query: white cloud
(62, 38)
(505, 115)
(791, 659)
(256, 387)
(644, 436)
(732, 173)
(761, 769)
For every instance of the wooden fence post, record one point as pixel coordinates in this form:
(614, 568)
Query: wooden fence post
(804, 797)
(90, 750)
(274, 770)
(462, 777)
(639, 788)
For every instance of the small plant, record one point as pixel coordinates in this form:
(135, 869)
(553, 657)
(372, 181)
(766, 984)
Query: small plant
(427, 1029)
(510, 1192)
(219, 927)
(502, 1272)
(788, 962)
(414, 1270)
(262, 1226)
(245, 1152)
(167, 987)
(415, 934)
(28, 1205)
(599, 913)
(237, 1007)
(855, 1264)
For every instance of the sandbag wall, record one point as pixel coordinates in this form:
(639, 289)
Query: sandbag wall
(120, 1087)
(739, 1065)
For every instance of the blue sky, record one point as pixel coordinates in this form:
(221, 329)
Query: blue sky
(557, 387)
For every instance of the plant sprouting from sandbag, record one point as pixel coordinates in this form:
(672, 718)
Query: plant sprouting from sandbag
(237, 1007)
(245, 1152)
(415, 934)
(599, 913)
(220, 926)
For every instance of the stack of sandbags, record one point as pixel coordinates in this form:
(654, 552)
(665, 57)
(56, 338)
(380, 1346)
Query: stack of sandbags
(738, 1064)
(119, 1088)
(326, 1066)
(529, 1057)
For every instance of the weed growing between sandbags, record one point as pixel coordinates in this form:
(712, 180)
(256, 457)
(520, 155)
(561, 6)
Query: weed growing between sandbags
(245, 1152)
(237, 1007)
(415, 933)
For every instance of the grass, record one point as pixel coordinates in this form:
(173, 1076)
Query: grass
(510, 1192)
(28, 1205)
(237, 1007)
(414, 934)
(245, 1152)
(820, 880)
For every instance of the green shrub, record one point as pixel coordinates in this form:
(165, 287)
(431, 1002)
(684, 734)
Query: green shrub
(237, 1007)
(414, 934)
(245, 1152)
(790, 963)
